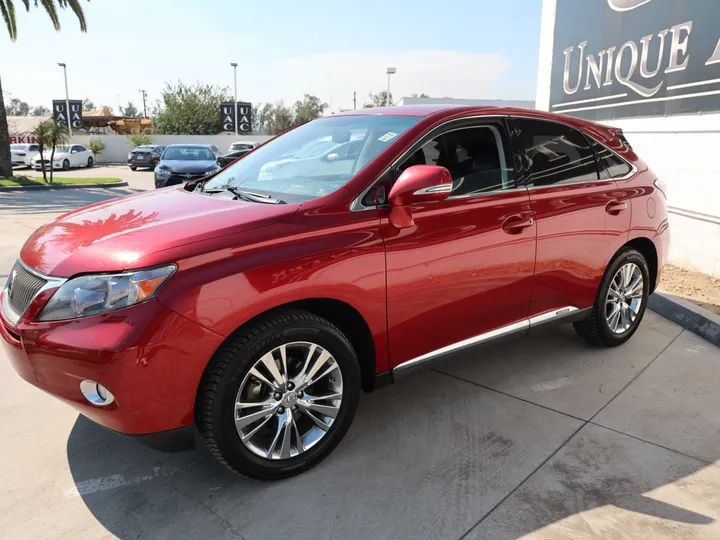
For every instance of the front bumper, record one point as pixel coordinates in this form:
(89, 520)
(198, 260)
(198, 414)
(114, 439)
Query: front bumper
(148, 356)
(38, 166)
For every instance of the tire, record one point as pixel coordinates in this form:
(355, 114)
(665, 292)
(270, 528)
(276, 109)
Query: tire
(596, 328)
(90, 163)
(66, 165)
(133, 168)
(228, 380)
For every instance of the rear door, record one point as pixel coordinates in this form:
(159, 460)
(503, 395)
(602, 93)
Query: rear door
(466, 267)
(582, 216)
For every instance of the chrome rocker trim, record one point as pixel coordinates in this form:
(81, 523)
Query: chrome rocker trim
(565, 314)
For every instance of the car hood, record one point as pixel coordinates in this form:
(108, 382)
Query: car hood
(190, 166)
(111, 235)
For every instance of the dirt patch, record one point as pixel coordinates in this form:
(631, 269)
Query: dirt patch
(699, 288)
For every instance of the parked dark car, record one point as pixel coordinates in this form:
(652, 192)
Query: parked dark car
(228, 158)
(145, 156)
(253, 306)
(184, 162)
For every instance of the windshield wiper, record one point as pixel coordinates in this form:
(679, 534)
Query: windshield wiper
(254, 196)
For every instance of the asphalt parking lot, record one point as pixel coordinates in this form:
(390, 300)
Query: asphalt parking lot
(543, 438)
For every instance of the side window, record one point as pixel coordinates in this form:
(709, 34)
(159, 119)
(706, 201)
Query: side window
(551, 153)
(475, 157)
(611, 165)
(34, 148)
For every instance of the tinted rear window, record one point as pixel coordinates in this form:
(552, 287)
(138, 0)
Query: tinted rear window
(611, 165)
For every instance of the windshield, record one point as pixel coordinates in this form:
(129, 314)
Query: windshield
(314, 159)
(188, 153)
(61, 149)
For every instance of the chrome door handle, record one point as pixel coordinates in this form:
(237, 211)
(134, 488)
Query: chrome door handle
(515, 224)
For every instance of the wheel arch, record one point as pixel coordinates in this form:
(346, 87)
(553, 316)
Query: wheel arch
(347, 318)
(648, 250)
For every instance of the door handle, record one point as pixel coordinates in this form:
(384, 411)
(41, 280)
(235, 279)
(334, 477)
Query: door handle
(615, 207)
(515, 224)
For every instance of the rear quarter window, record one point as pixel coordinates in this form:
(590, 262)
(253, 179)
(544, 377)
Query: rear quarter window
(610, 164)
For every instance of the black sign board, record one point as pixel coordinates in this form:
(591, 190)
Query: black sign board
(61, 115)
(227, 116)
(629, 58)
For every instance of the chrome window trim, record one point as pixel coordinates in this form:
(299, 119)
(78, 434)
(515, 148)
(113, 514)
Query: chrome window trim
(357, 206)
(50, 283)
(525, 324)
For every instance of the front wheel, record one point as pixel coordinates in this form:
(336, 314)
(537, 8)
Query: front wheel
(620, 303)
(280, 396)
(66, 165)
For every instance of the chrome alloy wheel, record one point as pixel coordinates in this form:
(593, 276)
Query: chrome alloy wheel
(288, 400)
(624, 298)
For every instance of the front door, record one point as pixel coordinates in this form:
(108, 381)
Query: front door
(582, 217)
(466, 267)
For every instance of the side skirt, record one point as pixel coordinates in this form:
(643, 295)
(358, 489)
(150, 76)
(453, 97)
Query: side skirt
(524, 327)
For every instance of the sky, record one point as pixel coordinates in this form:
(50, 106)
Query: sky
(483, 49)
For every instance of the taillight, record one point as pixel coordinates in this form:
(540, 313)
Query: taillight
(20, 154)
(662, 187)
(154, 155)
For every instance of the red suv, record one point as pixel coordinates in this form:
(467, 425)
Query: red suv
(254, 305)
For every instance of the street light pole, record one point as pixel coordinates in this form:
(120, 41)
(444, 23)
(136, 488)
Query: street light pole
(234, 65)
(390, 71)
(67, 99)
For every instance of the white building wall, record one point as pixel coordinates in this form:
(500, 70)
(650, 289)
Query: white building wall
(118, 146)
(681, 150)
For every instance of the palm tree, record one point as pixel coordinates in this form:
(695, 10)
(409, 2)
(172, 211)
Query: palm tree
(7, 10)
(42, 134)
(58, 134)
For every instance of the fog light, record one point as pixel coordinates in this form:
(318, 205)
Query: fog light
(96, 393)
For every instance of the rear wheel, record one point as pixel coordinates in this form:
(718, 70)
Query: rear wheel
(133, 168)
(278, 398)
(90, 162)
(620, 303)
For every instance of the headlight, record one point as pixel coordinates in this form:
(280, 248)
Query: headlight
(130, 155)
(90, 295)
(162, 172)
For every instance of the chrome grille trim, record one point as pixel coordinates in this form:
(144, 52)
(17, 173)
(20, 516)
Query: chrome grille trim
(24, 285)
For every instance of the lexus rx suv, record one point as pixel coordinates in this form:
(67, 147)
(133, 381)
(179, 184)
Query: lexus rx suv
(253, 307)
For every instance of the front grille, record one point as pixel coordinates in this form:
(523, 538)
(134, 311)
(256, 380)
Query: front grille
(184, 177)
(22, 287)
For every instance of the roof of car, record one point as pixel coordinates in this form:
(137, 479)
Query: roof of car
(189, 145)
(426, 110)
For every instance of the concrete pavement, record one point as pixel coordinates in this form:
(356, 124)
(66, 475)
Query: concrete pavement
(543, 438)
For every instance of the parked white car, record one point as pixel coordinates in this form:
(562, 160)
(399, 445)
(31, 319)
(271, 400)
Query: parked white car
(65, 157)
(22, 154)
(243, 145)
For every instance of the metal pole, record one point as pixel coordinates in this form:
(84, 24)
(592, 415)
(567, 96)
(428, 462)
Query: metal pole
(354, 100)
(67, 101)
(388, 92)
(144, 93)
(234, 65)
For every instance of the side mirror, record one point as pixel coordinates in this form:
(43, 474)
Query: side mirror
(332, 157)
(73, 151)
(417, 184)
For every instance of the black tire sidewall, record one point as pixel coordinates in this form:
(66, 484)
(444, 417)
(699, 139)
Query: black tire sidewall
(66, 165)
(607, 335)
(231, 447)
(90, 162)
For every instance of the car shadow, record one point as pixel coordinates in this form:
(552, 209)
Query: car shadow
(430, 457)
(34, 202)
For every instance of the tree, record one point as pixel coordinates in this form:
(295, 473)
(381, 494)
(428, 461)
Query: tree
(58, 134)
(130, 111)
(42, 134)
(88, 105)
(96, 146)
(7, 9)
(138, 138)
(190, 109)
(260, 117)
(308, 109)
(423, 95)
(40, 110)
(378, 100)
(280, 119)
(18, 108)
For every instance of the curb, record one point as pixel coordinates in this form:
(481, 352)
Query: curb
(61, 186)
(698, 320)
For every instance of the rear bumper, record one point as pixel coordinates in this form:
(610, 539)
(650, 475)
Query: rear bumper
(149, 357)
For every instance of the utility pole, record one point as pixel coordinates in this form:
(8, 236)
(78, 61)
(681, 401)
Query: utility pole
(354, 100)
(144, 95)
(390, 71)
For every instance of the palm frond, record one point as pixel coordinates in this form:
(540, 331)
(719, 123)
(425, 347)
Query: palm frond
(8, 14)
(49, 6)
(77, 9)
